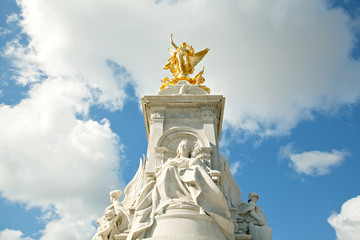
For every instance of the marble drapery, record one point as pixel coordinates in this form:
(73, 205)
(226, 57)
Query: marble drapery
(182, 182)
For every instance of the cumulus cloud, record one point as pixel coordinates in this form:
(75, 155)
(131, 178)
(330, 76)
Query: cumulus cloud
(275, 61)
(53, 160)
(313, 163)
(347, 222)
(8, 234)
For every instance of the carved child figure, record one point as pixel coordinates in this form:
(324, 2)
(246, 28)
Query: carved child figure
(106, 229)
(115, 219)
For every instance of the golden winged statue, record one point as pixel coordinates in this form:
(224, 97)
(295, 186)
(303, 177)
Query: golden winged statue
(182, 63)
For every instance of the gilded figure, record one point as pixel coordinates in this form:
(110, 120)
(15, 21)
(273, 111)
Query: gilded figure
(182, 63)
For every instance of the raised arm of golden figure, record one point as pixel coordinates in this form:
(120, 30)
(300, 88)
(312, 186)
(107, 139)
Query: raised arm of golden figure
(172, 42)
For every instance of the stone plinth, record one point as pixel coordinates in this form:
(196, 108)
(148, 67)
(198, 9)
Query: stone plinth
(243, 237)
(186, 224)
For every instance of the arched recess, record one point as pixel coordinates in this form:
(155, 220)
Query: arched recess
(169, 141)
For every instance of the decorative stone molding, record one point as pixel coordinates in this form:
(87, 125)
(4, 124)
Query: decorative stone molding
(172, 104)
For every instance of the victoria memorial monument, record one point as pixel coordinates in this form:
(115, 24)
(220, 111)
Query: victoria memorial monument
(183, 189)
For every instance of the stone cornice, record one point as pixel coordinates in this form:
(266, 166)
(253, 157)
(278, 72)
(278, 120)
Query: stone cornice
(200, 102)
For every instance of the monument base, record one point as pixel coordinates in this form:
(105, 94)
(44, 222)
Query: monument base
(243, 237)
(178, 224)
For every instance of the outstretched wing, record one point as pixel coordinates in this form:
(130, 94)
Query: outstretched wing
(172, 52)
(136, 184)
(196, 58)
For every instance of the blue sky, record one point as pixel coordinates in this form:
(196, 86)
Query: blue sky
(72, 74)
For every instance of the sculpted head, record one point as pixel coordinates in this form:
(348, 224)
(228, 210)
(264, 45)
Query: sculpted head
(183, 45)
(109, 215)
(184, 149)
(254, 197)
(115, 195)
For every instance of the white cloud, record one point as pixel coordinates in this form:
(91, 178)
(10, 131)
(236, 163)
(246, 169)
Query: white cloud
(50, 159)
(8, 234)
(347, 222)
(275, 61)
(235, 167)
(313, 163)
(12, 18)
(4, 31)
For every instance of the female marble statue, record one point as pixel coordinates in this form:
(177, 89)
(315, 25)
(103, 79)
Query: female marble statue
(257, 225)
(182, 182)
(115, 219)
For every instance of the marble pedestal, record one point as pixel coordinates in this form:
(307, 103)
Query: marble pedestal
(182, 224)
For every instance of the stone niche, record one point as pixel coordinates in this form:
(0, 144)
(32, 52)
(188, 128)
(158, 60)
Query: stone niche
(169, 141)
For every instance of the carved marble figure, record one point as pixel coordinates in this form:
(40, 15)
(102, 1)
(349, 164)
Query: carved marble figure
(115, 219)
(252, 215)
(181, 182)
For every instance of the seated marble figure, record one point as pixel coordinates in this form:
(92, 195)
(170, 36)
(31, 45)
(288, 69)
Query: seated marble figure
(254, 221)
(181, 182)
